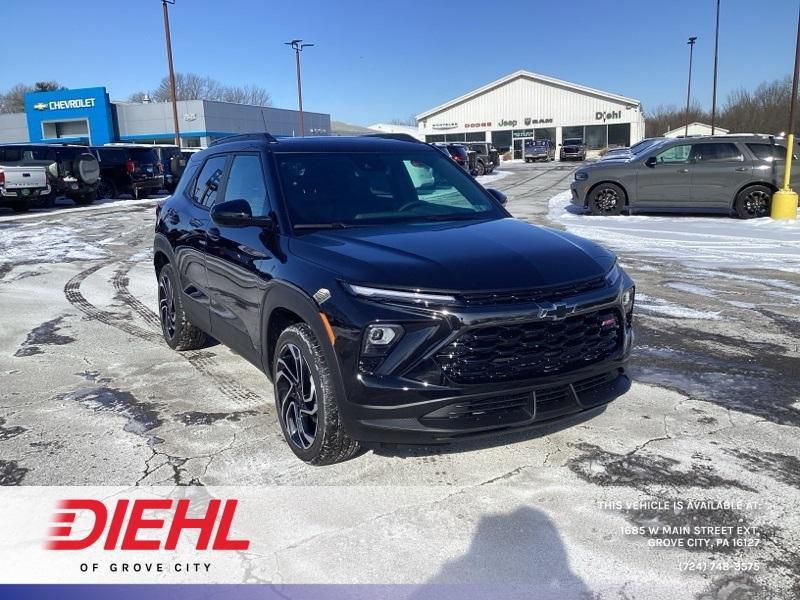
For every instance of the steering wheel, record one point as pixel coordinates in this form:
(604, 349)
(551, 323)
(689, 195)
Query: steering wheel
(408, 205)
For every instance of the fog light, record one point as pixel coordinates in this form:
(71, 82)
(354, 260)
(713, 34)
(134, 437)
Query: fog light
(379, 339)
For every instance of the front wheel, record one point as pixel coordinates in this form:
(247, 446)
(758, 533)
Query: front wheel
(85, 199)
(179, 333)
(607, 199)
(305, 398)
(20, 207)
(753, 202)
(481, 170)
(106, 190)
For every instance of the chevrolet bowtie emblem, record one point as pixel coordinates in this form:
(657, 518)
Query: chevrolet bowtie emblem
(40, 106)
(561, 311)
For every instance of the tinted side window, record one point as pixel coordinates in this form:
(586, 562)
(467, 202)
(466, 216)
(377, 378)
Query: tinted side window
(674, 154)
(209, 180)
(768, 152)
(246, 182)
(716, 152)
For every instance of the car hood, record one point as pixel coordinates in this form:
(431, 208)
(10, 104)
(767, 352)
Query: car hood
(498, 254)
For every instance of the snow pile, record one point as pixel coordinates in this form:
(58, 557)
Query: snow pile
(700, 242)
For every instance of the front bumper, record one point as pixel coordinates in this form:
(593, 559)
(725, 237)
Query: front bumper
(578, 191)
(415, 399)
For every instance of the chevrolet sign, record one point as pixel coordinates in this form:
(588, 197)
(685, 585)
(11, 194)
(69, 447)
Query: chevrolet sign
(65, 104)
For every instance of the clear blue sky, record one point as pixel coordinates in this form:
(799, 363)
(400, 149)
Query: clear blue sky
(378, 60)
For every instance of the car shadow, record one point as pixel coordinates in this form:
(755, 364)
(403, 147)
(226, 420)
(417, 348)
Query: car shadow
(512, 555)
(491, 440)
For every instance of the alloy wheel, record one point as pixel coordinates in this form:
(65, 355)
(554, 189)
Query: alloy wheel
(297, 396)
(606, 200)
(756, 203)
(104, 191)
(166, 305)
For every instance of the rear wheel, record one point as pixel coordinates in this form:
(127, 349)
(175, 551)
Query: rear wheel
(607, 199)
(106, 190)
(179, 333)
(753, 202)
(85, 199)
(480, 168)
(305, 396)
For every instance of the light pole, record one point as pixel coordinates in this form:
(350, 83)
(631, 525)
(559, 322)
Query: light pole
(297, 46)
(784, 201)
(171, 71)
(691, 42)
(714, 88)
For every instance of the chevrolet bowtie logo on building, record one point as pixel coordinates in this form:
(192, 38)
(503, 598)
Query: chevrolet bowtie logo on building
(65, 104)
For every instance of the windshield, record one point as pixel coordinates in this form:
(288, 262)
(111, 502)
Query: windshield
(644, 145)
(573, 142)
(143, 155)
(349, 189)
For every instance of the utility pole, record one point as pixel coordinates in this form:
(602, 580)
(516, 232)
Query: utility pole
(297, 46)
(691, 42)
(171, 72)
(714, 90)
(784, 201)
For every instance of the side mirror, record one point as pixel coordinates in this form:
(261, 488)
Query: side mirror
(237, 213)
(651, 162)
(499, 196)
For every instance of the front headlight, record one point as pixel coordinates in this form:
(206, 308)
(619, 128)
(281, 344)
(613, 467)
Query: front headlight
(416, 296)
(628, 298)
(581, 176)
(613, 275)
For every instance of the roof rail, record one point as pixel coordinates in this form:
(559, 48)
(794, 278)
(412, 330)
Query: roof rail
(241, 137)
(402, 137)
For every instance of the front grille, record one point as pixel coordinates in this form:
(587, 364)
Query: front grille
(552, 293)
(532, 349)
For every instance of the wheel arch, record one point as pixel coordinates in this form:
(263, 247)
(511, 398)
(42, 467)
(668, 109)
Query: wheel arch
(768, 184)
(599, 183)
(162, 252)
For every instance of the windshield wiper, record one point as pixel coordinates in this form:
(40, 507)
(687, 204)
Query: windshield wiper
(469, 217)
(320, 226)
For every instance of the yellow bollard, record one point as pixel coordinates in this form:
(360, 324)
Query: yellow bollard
(784, 201)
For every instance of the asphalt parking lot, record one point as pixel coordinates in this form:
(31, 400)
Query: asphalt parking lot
(91, 396)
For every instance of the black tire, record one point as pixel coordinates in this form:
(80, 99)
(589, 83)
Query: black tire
(480, 168)
(106, 190)
(307, 395)
(753, 202)
(141, 194)
(85, 199)
(607, 199)
(178, 331)
(20, 207)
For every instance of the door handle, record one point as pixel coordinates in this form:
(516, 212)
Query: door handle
(196, 223)
(683, 170)
(213, 234)
(741, 168)
(173, 217)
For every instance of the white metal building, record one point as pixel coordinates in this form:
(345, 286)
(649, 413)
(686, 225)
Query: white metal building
(695, 128)
(525, 105)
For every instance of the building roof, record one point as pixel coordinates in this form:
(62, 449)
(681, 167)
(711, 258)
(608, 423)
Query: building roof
(682, 128)
(527, 75)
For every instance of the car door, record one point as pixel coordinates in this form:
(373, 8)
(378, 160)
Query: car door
(719, 171)
(240, 260)
(188, 229)
(664, 178)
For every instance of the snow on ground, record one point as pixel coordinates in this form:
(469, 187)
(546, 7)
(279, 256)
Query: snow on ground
(60, 243)
(659, 306)
(485, 180)
(700, 242)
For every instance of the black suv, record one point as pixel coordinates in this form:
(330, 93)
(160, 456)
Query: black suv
(464, 157)
(487, 157)
(71, 169)
(134, 170)
(386, 294)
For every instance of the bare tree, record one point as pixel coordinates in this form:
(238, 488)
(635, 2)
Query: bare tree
(410, 121)
(13, 101)
(191, 86)
(764, 110)
(665, 118)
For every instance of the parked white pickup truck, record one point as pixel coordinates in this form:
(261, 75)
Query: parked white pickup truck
(21, 186)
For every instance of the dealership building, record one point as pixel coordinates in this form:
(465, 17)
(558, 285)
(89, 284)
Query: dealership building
(88, 116)
(525, 106)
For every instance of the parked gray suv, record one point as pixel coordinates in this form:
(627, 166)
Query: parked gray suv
(731, 174)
